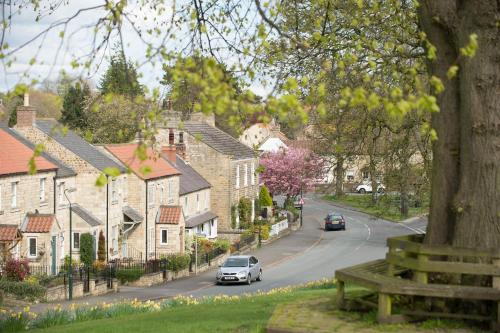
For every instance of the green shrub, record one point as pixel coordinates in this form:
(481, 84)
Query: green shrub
(264, 197)
(87, 249)
(101, 247)
(128, 274)
(178, 262)
(245, 212)
(222, 244)
(48, 281)
(22, 289)
(234, 210)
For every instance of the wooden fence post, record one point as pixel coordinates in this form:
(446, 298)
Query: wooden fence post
(420, 276)
(384, 308)
(340, 294)
(496, 285)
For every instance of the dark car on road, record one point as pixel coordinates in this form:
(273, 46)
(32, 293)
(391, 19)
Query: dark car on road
(334, 221)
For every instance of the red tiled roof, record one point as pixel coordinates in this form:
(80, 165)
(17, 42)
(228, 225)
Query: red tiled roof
(8, 232)
(15, 156)
(39, 223)
(158, 166)
(169, 215)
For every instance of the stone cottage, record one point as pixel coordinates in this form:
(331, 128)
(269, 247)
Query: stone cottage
(156, 227)
(227, 164)
(94, 208)
(26, 202)
(194, 196)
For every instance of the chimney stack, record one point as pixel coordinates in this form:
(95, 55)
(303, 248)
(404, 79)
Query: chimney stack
(26, 114)
(170, 153)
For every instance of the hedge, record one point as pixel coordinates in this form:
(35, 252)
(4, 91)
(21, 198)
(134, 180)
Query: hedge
(178, 262)
(22, 289)
(128, 274)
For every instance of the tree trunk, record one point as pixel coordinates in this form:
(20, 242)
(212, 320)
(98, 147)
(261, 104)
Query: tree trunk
(339, 176)
(466, 165)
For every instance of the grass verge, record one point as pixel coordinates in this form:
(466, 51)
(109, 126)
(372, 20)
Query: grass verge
(386, 208)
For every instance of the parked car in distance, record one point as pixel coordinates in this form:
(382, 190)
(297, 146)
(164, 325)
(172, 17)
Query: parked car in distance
(334, 221)
(367, 188)
(237, 269)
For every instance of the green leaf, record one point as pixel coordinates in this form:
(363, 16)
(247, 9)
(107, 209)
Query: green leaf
(112, 172)
(470, 49)
(452, 72)
(101, 181)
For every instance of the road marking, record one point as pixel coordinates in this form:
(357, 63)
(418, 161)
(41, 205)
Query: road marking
(416, 230)
(367, 237)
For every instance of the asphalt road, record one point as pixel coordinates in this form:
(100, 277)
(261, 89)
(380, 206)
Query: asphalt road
(308, 254)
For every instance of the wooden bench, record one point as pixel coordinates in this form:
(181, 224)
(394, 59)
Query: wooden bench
(407, 253)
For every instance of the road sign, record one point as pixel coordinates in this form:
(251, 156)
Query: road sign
(301, 201)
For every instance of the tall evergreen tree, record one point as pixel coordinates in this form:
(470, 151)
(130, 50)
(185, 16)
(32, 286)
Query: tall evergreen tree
(121, 78)
(73, 113)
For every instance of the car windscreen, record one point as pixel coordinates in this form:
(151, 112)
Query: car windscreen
(236, 262)
(334, 217)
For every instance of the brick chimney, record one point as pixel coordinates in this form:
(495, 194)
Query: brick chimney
(26, 114)
(169, 152)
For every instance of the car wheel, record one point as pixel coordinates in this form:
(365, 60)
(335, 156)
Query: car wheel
(362, 191)
(259, 278)
(249, 279)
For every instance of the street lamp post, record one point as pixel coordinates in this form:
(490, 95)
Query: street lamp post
(70, 274)
(301, 207)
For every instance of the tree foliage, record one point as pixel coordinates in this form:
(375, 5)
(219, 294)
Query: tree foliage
(121, 78)
(115, 118)
(288, 172)
(73, 112)
(101, 247)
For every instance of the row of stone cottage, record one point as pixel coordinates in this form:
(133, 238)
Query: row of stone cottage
(196, 174)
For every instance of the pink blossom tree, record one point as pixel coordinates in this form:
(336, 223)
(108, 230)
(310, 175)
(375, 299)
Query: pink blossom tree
(289, 171)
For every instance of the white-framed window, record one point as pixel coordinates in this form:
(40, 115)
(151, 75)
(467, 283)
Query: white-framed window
(76, 241)
(13, 202)
(32, 244)
(170, 189)
(125, 188)
(366, 174)
(61, 187)
(237, 176)
(252, 174)
(41, 192)
(163, 236)
(114, 238)
(162, 190)
(245, 176)
(114, 196)
(151, 195)
(197, 202)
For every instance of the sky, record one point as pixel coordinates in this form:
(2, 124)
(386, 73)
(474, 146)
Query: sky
(53, 54)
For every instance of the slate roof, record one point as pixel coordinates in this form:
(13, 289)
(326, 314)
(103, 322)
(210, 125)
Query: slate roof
(63, 170)
(38, 223)
(169, 215)
(199, 219)
(190, 180)
(218, 140)
(133, 214)
(85, 215)
(159, 167)
(8, 232)
(15, 156)
(78, 146)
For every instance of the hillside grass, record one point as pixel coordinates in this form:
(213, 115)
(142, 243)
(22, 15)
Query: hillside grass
(386, 208)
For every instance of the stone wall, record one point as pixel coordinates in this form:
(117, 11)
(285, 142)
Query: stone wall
(216, 262)
(60, 293)
(148, 280)
(177, 275)
(175, 238)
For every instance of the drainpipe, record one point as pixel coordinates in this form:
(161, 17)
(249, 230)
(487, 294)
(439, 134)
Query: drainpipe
(107, 218)
(55, 195)
(146, 231)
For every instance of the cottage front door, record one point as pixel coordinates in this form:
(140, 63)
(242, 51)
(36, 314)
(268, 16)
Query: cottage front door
(53, 245)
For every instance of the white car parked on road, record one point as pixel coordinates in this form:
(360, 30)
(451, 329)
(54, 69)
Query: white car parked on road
(367, 188)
